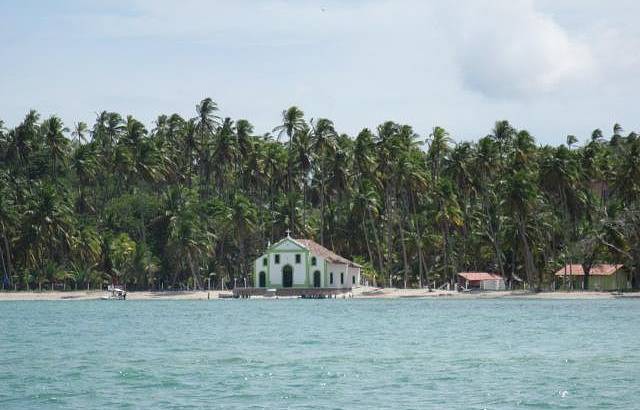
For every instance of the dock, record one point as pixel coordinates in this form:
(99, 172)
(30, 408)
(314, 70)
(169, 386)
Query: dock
(305, 293)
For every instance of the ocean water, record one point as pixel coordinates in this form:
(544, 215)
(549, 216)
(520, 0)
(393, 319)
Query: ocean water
(321, 354)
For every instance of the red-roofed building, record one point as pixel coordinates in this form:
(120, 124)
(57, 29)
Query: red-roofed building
(601, 277)
(481, 280)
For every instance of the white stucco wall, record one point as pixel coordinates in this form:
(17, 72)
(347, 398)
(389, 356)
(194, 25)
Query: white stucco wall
(287, 249)
(287, 258)
(336, 269)
(354, 273)
(319, 267)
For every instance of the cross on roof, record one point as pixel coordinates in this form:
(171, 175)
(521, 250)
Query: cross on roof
(288, 231)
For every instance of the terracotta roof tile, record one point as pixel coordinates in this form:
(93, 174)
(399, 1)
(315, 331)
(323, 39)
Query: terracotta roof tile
(596, 270)
(320, 250)
(473, 276)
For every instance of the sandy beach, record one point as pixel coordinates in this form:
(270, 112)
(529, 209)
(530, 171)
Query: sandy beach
(395, 293)
(358, 293)
(96, 294)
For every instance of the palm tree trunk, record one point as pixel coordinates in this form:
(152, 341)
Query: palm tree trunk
(378, 244)
(366, 239)
(289, 181)
(196, 282)
(493, 237)
(304, 203)
(405, 259)
(322, 210)
(389, 252)
(4, 268)
(422, 265)
(445, 251)
(9, 268)
(528, 256)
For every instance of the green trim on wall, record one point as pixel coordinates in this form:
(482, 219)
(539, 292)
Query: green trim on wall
(270, 248)
(268, 271)
(308, 268)
(306, 262)
(326, 278)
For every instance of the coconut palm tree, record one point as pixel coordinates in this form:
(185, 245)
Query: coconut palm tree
(8, 226)
(324, 145)
(206, 124)
(292, 122)
(56, 142)
(47, 228)
(80, 131)
(225, 157)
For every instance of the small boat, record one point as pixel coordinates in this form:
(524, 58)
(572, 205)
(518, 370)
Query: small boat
(115, 293)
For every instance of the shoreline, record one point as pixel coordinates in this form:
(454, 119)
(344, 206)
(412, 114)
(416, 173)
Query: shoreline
(358, 293)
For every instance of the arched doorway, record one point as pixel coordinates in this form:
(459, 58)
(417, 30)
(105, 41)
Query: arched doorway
(287, 276)
(262, 280)
(316, 279)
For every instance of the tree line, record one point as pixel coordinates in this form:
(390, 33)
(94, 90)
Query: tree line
(193, 201)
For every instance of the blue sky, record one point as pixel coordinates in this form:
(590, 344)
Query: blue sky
(554, 68)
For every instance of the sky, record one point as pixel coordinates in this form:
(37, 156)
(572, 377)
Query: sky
(551, 67)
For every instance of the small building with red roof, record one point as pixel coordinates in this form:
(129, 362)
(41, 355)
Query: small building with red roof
(602, 277)
(481, 280)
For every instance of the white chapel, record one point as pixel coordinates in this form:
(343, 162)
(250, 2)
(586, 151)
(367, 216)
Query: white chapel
(303, 263)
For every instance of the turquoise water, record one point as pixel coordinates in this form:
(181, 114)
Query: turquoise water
(493, 354)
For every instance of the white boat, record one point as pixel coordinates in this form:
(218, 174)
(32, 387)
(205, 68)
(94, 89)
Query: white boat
(115, 293)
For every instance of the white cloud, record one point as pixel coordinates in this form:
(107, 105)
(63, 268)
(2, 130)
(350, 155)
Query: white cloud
(509, 49)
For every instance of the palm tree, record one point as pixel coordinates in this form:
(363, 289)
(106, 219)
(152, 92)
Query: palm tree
(225, 156)
(80, 131)
(206, 124)
(188, 240)
(56, 142)
(571, 140)
(25, 139)
(292, 122)
(121, 252)
(190, 146)
(47, 228)
(244, 219)
(244, 131)
(448, 216)
(324, 146)
(438, 147)
(303, 160)
(8, 225)
(522, 195)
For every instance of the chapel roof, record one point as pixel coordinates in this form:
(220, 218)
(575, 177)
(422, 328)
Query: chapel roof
(325, 253)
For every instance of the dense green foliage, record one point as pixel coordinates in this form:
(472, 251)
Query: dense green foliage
(197, 199)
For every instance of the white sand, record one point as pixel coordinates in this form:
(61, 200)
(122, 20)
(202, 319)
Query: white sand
(96, 294)
(393, 293)
(358, 293)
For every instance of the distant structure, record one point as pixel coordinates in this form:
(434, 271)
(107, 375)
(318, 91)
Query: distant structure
(481, 281)
(602, 277)
(303, 263)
